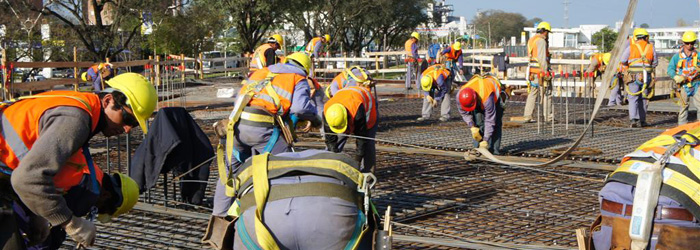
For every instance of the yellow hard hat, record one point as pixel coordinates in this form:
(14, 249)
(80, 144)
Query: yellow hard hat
(689, 37)
(544, 26)
(337, 118)
(302, 59)
(640, 32)
(415, 35)
(84, 76)
(277, 39)
(361, 77)
(140, 94)
(128, 193)
(327, 37)
(426, 83)
(606, 58)
(457, 46)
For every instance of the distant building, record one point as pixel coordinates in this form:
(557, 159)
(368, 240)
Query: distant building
(441, 21)
(571, 38)
(668, 38)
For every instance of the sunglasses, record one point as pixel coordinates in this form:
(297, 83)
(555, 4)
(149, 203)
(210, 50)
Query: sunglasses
(129, 119)
(691, 43)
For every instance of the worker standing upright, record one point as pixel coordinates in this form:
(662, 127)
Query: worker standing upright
(436, 84)
(353, 76)
(353, 111)
(683, 69)
(539, 73)
(314, 48)
(482, 102)
(639, 59)
(453, 60)
(98, 74)
(47, 177)
(412, 58)
(266, 54)
(265, 113)
(675, 213)
(433, 52)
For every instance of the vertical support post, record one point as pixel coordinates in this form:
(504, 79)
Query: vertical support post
(583, 57)
(150, 70)
(75, 69)
(156, 66)
(3, 74)
(183, 101)
(201, 67)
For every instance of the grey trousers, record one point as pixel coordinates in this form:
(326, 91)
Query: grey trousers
(694, 99)
(637, 103)
(545, 100)
(444, 107)
(615, 97)
(412, 75)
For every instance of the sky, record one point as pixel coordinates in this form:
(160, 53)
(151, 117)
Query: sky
(656, 13)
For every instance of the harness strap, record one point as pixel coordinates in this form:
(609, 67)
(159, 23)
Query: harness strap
(94, 185)
(280, 192)
(261, 189)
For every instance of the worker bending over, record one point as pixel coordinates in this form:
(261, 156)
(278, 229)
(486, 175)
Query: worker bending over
(539, 83)
(452, 56)
(639, 60)
(353, 76)
(675, 214)
(266, 54)
(97, 74)
(353, 111)
(482, 101)
(683, 69)
(47, 177)
(436, 84)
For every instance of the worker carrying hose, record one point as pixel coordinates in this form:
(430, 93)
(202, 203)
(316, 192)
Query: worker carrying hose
(639, 60)
(48, 180)
(350, 77)
(661, 210)
(683, 69)
(454, 60)
(266, 54)
(539, 73)
(436, 84)
(98, 74)
(265, 113)
(482, 102)
(412, 59)
(352, 111)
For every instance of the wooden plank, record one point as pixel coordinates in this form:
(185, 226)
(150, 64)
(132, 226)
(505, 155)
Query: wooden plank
(240, 69)
(52, 64)
(221, 59)
(581, 238)
(131, 63)
(42, 85)
(350, 59)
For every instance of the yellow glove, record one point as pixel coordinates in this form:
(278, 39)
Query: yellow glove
(476, 134)
(679, 79)
(484, 145)
(431, 101)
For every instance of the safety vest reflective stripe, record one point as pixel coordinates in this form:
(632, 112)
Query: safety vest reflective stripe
(282, 93)
(312, 45)
(482, 88)
(640, 59)
(276, 95)
(436, 70)
(688, 71)
(12, 139)
(367, 101)
(259, 60)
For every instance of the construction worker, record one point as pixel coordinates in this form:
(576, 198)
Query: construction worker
(639, 59)
(433, 51)
(313, 200)
(436, 84)
(266, 54)
(352, 111)
(482, 102)
(353, 76)
(97, 74)
(453, 60)
(538, 69)
(268, 106)
(683, 69)
(315, 46)
(675, 219)
(597, 66)
(412, 58)
(47, 176)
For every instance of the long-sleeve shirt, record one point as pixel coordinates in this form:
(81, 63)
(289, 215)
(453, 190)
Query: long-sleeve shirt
(671, 71)
(489, 111)
(459, 59)
(624, 58)
(62, 132)
(433, 50)
(593, 66)
(414, 50)
(302, 106)
(440, 89)
(315, 46)
(360, 128)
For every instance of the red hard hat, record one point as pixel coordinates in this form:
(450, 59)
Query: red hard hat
(467, 99)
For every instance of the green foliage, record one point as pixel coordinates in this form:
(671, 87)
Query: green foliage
(609, 39)
(193, 31)
(502, 24)
(253, 18)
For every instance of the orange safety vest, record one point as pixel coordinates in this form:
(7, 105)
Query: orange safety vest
(599, 58)
(484, 87)
(641, 56)
(352, 98)
(435, 71)
(408, 46)
(453, 54)
(312, 44)
(21, 129)
(533, 53)
(687, 70)
(259, 61)
(283, 86)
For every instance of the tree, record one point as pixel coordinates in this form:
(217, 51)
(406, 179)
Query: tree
(397, 19)
(496, 25)
(605, 36)
(191, 31)
(644, 25)
(253, 18)
(533, 21)
(681, 22)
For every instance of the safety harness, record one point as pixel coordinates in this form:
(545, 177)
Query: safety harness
(688, 70)
(347, 74)
(256, 174)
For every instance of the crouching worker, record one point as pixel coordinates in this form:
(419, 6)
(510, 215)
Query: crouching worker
(482, 101)
(672, 159)
(352, 111)
(301, 200)
(48, 181)
(436, 83)
(353, 76)
(97, 75)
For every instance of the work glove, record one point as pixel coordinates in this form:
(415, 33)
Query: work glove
(81, 231)
(431, 101)
(679, 79)
(484, 145)
(476, 134)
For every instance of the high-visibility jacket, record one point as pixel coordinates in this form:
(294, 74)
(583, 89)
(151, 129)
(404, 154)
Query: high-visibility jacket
(283, 84)
(484, 87)
(687, 65)
(408, 46)
(21, 129)
(453, 54)
(259, 61)
(533, 53)
(352, 98)
(641, 56)
(681, 176)
(311, 46)
(599, 58)
(435, 71)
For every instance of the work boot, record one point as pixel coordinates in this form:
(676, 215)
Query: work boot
(644, 124)
(444, 119)
(635, 124)
(420, 119)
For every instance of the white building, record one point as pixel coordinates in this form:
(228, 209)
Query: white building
(449, 24)
(668, 38)
(571, 38)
